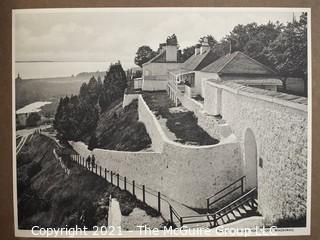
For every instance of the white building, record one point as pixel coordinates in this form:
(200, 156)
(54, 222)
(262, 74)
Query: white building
(155, 71)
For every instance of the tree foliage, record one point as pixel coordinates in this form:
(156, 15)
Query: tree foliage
(33, 119)
(288, 52)
(143, 55)
(189, 51)
(77, 116)
(281, 47)
(172, 40)
(114, 84)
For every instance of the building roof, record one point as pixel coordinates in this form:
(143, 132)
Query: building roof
(161, 58)
(238, 63)
(253, 80)
(199, 61)
(33, 107)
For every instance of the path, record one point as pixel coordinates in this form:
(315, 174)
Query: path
(151, 197)
(63, 166)
(21, 143)
(25, 133)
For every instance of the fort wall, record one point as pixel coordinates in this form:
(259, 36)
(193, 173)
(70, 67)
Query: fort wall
(199, 170)
(279, 124)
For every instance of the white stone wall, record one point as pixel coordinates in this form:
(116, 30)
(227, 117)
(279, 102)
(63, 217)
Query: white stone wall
(280, 129)
(191, 104)
(184, 174)
(214, 127)
(188, 174)
(200, 78)
(153, 127)
(128, 98)
(80, 148)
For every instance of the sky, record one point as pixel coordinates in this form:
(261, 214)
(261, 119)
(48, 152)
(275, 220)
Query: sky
(111, 35)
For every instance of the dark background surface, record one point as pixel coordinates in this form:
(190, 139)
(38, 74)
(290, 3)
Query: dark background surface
(6, 184)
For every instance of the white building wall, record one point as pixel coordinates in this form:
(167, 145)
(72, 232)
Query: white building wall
(155, 75)
(200, 78)
(137, 83)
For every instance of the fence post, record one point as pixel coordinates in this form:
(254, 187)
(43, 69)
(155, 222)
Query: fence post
(181, 223)
(214, 220)
(125, 183)
(105, 174)
(133, 190)
(171, 217)
(208, 204)
(242, 187)
(159, 202)
(143, 194)
(100, 171)
(111, 177)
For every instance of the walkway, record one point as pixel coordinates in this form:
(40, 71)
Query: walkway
(21, 143)
(25, 133)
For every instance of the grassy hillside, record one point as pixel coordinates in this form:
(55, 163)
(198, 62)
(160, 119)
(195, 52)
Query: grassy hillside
(119, 129)
(48, 197)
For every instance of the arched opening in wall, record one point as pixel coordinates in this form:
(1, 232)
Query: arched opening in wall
(250, 159)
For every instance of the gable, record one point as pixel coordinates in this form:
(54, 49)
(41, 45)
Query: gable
(242, 64)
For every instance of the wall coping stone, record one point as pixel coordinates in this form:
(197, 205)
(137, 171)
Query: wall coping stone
(288, 100)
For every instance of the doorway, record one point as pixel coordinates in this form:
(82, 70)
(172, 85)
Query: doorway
(250, 159)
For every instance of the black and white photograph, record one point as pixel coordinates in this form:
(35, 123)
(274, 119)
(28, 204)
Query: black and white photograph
(161, 122)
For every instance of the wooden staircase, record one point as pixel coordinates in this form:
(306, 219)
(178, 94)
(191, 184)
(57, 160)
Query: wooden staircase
(241, 205)
(244, 206)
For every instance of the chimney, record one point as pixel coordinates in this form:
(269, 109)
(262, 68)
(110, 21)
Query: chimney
(171, 49)
(162, 47)
(197, 49)
(204, 45)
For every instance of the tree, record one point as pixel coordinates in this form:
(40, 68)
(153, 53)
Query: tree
(33, 119)
(187, 52)
(172, 40)
(288, 52)
(114, 84)
(143, 55)
(211, 40)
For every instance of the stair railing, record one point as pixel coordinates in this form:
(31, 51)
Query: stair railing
(220, 195)
(205, 218)
(246, 198)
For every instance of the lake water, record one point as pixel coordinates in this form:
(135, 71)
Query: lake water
(28, 70)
